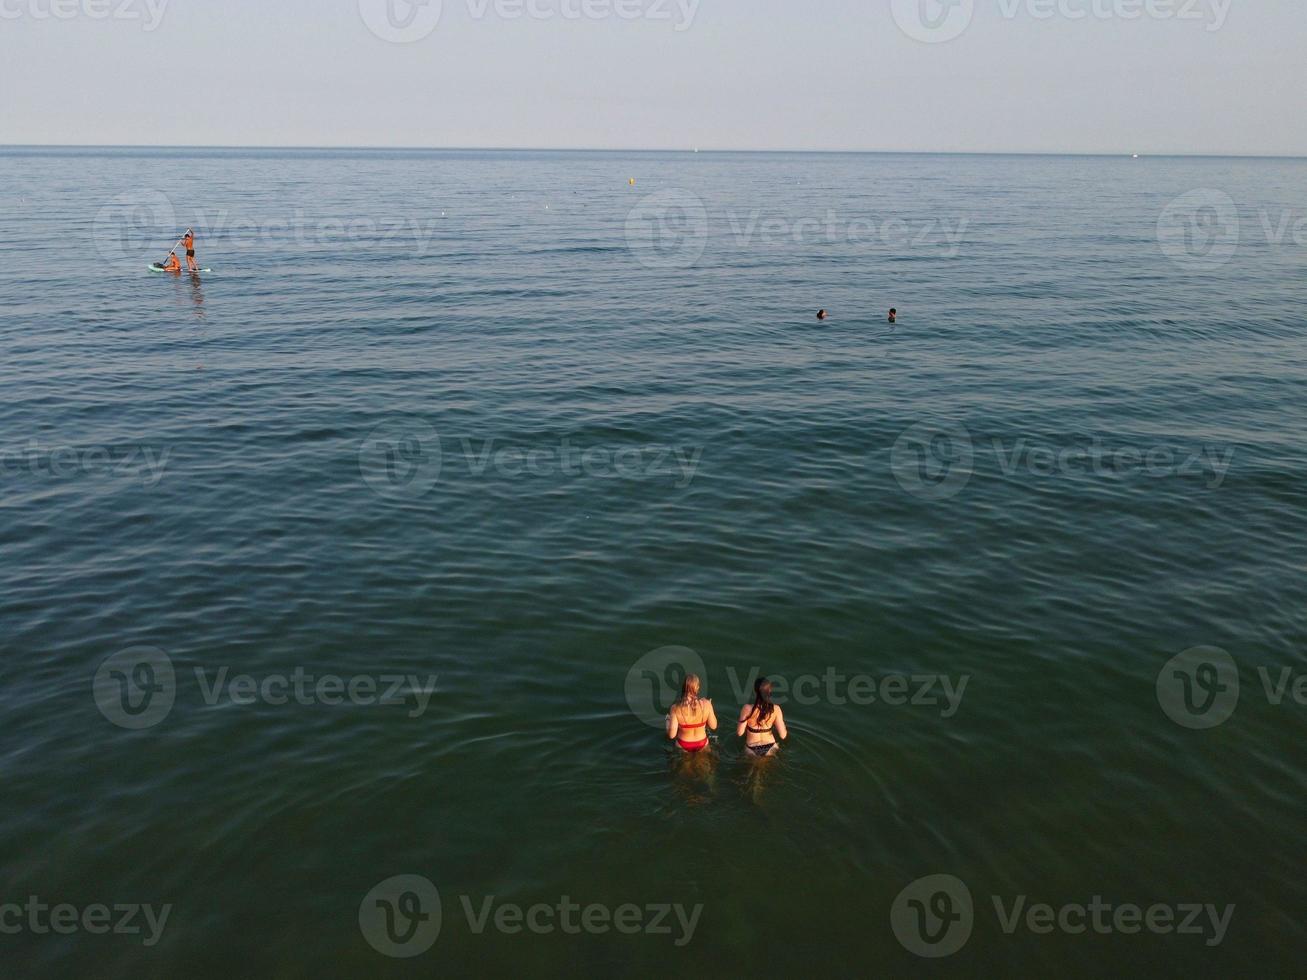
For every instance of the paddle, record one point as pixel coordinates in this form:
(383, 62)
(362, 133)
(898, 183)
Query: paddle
(179, 241)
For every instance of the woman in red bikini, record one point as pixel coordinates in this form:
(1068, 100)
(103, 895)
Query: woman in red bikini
(691, 717)
(762, 722)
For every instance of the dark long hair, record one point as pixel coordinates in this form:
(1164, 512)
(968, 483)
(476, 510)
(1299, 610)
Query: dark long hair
(762, 705)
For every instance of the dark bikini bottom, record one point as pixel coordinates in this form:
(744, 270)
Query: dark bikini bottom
(761, 750)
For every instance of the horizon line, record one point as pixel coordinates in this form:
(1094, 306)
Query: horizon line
(685, 150)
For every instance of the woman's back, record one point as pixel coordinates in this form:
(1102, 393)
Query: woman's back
(690, 718)
(762, 723)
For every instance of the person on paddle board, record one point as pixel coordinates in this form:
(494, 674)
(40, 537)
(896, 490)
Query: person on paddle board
(172, 263)
(189, 241)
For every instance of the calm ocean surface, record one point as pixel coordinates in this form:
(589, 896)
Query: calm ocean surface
(534, 441)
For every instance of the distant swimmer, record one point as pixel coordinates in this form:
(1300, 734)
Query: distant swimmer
(189, 241)
(822, 314)
(691, 717)
(173, 264)
(893, 316)
(762, 722)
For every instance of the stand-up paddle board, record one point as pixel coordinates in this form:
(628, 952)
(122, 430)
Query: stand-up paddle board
(156, 267)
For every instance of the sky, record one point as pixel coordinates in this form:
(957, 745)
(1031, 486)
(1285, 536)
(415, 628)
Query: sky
(1044, 76)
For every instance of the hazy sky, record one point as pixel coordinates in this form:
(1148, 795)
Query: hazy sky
(1148, 76)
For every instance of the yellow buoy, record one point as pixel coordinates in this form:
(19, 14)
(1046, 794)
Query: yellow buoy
(632, 181)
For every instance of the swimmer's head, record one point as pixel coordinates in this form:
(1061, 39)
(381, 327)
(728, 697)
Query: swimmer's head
(762, 702)
(821, 314)
(690, 689)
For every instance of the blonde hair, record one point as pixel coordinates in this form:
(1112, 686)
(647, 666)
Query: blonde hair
(689, 692)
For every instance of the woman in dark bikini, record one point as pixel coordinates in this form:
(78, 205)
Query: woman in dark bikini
(691, 717)
(762, 722)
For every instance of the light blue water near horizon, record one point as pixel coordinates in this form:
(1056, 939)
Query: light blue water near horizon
(1077, 455)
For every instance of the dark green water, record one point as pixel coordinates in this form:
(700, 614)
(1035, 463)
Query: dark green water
(533, 441)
